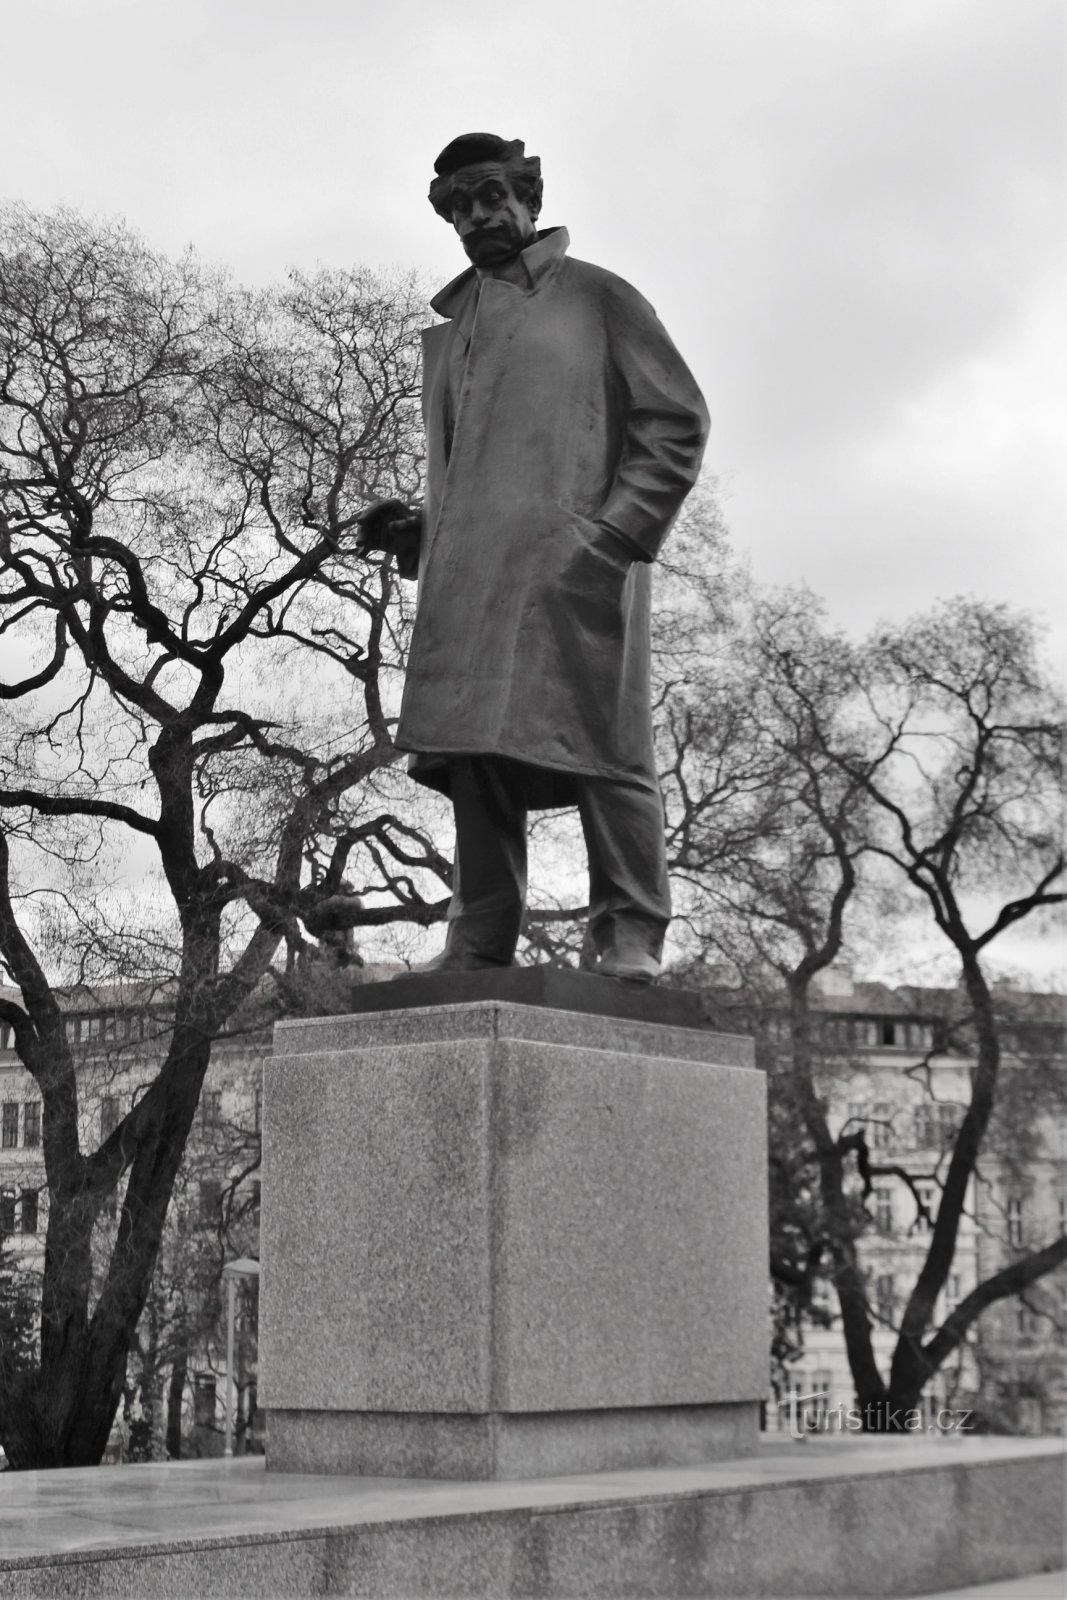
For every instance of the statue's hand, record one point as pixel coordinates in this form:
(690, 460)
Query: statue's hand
(391, 526)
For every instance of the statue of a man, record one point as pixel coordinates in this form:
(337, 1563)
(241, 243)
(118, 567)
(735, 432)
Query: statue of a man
(563, 433)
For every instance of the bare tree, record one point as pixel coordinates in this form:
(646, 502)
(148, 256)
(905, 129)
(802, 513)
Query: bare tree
(969, 807)
(199, 681)
(932, 753)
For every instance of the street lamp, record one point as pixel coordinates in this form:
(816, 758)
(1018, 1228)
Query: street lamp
(243, 1267)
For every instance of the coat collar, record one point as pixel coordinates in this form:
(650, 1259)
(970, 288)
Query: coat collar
(548, 248)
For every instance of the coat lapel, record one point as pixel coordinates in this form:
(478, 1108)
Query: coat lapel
(540, 260)
(435, 345)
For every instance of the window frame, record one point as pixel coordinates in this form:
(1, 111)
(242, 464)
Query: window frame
(31, 1124)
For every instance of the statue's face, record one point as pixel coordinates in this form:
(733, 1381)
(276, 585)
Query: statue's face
(492, 222)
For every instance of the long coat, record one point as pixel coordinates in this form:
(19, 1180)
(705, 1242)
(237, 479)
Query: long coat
(572, 413)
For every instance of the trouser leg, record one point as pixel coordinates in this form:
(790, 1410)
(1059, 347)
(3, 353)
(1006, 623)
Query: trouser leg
(489, 883)
(629, 890)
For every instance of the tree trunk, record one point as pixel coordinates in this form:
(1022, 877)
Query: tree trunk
(175, 1399)
(848, 1276)
(61, 1414)
(913, 1363)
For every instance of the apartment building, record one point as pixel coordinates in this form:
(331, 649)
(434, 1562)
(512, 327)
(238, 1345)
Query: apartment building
(898, 1063)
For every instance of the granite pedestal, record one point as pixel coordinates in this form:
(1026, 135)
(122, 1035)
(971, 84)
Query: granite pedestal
(504, 1240)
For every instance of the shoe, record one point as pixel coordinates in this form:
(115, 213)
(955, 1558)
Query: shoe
(633, 966)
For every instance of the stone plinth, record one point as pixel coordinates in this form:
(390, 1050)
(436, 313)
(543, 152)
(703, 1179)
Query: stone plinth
(551, 988)
(501, 1240)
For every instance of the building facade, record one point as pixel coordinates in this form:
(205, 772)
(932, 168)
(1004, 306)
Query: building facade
(896, 1063)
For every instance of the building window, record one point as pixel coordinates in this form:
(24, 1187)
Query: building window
(110, 1116)
(952, 1293)
(1024, 1320)
(211, 1108)
(885, 1296)
(31, 1122)
(29, 1210)
(210, 1202)
(255, 1202)
(927, 1197)
(874, 1122)
(203, 1400)
(935, 1123)
(10, 1134)
(1015, 1221)
(7, 1211)
(883, 1209)
(6, 1032)
(881, 1131)
(1063, 1215)
(259, 1107)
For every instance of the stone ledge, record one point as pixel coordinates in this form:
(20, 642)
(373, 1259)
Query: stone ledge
(844, 1518)
(492, 1018)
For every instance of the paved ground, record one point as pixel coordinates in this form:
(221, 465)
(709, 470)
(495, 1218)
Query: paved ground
(42, 1513)
(1043, 1586)
(45, 1514)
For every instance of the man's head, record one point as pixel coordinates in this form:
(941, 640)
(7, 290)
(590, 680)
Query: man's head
(490, 191)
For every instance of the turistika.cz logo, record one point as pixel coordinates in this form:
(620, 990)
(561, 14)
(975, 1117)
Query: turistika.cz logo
(809, 1413)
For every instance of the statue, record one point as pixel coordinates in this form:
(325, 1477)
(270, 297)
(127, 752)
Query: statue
(563, 433)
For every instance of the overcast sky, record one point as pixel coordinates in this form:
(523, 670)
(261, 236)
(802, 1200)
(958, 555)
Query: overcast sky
(849, 214)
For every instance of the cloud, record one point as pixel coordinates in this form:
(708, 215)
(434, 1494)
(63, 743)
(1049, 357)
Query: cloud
(847, 213)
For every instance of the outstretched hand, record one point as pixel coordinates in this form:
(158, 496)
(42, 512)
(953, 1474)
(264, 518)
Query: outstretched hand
(386, 523)
(396, 529)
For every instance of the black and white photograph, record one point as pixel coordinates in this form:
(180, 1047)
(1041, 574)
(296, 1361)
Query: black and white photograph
(533, 998)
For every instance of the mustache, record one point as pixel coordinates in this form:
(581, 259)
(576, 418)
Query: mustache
(493, 230)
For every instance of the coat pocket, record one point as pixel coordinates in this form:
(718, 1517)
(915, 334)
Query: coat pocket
(592, 582)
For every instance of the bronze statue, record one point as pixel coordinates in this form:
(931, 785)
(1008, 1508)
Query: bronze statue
(563, 433)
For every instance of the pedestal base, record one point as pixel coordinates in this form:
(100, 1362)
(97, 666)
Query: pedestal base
(503, 1240)
(392, 1444)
